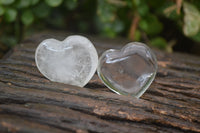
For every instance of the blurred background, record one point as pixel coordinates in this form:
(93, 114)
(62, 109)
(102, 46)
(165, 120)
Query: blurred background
(170, 25)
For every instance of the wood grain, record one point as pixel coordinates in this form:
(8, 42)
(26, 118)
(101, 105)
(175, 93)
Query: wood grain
(31, 103)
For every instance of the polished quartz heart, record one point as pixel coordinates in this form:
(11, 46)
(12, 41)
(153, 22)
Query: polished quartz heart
(129, 71)
(72, 61)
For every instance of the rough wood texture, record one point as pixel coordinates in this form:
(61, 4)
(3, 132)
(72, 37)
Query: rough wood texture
(31, 103)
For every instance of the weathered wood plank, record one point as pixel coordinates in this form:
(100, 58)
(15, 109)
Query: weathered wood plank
(31, 103)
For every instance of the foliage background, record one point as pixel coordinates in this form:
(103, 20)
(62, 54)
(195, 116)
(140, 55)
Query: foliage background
(164, 24)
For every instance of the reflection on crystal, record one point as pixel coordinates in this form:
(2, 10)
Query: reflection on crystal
(129, 71)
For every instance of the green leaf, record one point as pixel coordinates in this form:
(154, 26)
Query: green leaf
(191, 19)
(151, 25)
(106, 12)
(137, 2)
(42, 10)
(137, 35)
(57, 20)
(27, 17)
(129, 3)
(8, 40)
(109, 33)
(156, 4)
(10, 15)
(71, 4)
(143, 9)
(23, 3)
(105, 29)
(6, 2)
(159, 42)
(143, 24)
(196, 37)
(34, 2)
(53, 3)
(83, 26)
(1, 10)
(118, 26)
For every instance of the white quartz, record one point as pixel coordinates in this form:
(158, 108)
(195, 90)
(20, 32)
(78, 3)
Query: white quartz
(71, 61)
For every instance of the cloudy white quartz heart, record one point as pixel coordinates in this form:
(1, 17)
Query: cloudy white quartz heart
(72, 61)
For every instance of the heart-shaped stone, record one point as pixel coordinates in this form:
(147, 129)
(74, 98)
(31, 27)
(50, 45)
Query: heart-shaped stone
(128, 71)
(72, 61)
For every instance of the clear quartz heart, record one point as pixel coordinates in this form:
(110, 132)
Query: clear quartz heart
(72, 61)
(129, 71)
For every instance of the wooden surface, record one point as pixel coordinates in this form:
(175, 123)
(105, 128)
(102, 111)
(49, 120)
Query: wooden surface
(31, 103)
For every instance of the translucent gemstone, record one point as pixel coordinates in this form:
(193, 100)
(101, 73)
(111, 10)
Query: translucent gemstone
(128, 71)
(72, 61)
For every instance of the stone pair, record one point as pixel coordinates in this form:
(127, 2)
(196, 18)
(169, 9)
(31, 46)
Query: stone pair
(128, 71)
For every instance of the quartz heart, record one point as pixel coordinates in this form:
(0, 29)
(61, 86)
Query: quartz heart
(128, 71)
(72, 61)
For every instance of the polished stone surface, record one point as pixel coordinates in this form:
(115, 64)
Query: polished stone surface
(71, 61)
(128, 71)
